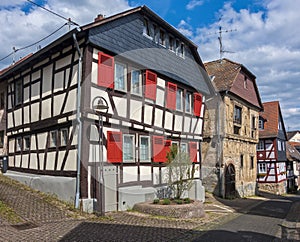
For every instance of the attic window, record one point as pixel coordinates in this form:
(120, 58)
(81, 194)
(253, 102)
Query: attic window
(261, 123)
(146, 29)
(245, 82)
(162, 39)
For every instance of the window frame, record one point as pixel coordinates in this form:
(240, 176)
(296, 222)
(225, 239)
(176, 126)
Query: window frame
(140, 81)
(18, 92)
(53, 143)
(116, 83)
(186, 147)
(262, 168)
(124, 148)
(261, 124)
(27, 142)
(237, 116)
(19, 144)
(179, 90)
(149, 148)
(260, 146)
(190, 102)
(241, 161)
(64, 140)
(162, 37)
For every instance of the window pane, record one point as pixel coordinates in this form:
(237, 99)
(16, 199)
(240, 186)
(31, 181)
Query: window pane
(183, 147)
(1, 139)
(53, 141)
(144, 149)
(188, 102)
(136, 84)
(64, 137)
(179, 99)
(128, 154)
(120, 76)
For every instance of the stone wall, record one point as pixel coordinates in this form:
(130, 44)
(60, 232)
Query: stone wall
(275, 188)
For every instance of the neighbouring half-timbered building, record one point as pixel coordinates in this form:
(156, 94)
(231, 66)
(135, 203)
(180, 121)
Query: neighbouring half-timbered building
(230, 131)
(271, 150)
(153, 84)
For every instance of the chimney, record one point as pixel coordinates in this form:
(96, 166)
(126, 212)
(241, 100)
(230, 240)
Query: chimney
(99, 18)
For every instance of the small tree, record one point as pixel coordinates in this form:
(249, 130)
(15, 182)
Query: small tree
(180, 172)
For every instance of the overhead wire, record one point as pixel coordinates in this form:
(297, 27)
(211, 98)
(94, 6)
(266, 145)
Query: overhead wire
(50, 11)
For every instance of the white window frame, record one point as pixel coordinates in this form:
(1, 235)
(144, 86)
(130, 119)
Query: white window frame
(162, 37)
(64, 140)
(260, 145)
(18, 92)
(27, 142)
(179, 96)
(139, 88)
(133, 148)
(188, 102)
(116, 81)
(172, 43)
(185, 150)
(262, 168)
(148, 150)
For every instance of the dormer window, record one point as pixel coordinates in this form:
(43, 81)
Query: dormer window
(162, 39)
(261, 123)
(146, 30)
(171, 43)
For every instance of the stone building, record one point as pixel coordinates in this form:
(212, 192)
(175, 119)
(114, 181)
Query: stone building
(230, 131)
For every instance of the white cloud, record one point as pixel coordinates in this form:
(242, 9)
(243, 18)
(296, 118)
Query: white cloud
(193, 3)
(19, 29)
(185, 29)
(268, 44)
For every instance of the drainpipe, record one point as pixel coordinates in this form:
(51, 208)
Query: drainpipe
(78, 119)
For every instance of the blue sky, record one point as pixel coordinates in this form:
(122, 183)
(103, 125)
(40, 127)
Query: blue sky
(266, 40)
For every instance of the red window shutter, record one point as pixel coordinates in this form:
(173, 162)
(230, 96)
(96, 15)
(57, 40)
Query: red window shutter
(158, 148)
(171, 96)
(197, 104)
(167, 147)
(114, 146)
(150, 88)
(105, 70)
(193, 151)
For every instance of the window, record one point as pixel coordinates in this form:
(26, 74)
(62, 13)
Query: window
(64, 136)
(162, 39)
(188, 102)
(175, 144)
(27, 142)
(279, 145)
(155, 33)
(136, 82)
(19, 144)
(242, 161)
(279, 125)
(251, 162)
(18, 92)
(120, 76)
(262, 168)
(128, 148)
(253, 126)
(237, 115)
(1, 139)
(171, 43)
(183, 148)
(53, 138)
(181, 50)
(260, 145)
(245, 82)
(2, 100)
(261, 123)
(144, 148)
(146, 30)
(179, 99)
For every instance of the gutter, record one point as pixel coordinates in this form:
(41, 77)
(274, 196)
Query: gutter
(78, 120)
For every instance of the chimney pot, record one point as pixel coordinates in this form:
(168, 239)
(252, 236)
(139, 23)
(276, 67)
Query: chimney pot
(99, 17)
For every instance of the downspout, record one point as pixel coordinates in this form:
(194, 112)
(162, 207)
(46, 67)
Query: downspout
(78, 119)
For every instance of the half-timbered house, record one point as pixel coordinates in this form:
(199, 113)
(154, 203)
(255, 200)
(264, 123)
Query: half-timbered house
(271, 150)
(153, 85)
(230, 131)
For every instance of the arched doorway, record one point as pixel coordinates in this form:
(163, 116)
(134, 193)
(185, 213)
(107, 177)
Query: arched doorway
(230, 182)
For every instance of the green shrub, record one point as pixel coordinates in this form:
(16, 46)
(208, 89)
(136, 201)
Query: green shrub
(187, 200)
(178, 201)
(156, 201)
(166, 201)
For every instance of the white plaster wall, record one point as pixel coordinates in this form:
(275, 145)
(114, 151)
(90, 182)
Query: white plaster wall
(59, 81)
(187, 124)
(26, 115)
(25, 161)
(155, 175)
(42, 139)
(158, 118)
(61, 156)
(35, 91)
(47, 80)
(130, 174)
(46, 108)
(121, 106)
(33, 162)
(41, 157)
(71, 161)
(160, 97)
(136, 110)
(26, 95)
(35, 112)
(168, 120)
(57, 104)
(145, 173)
(50, 161)
(178, 123)
(63, 62)
(71, 101)
(10, 120)
(18, 117)
(35, 75)
(148, 115)
(11, 145)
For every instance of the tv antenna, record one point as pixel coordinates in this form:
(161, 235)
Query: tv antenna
(222, 50)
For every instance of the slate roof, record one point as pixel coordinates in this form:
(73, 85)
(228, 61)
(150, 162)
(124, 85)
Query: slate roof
(291, 152)
(225, 73)
(271, 114)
